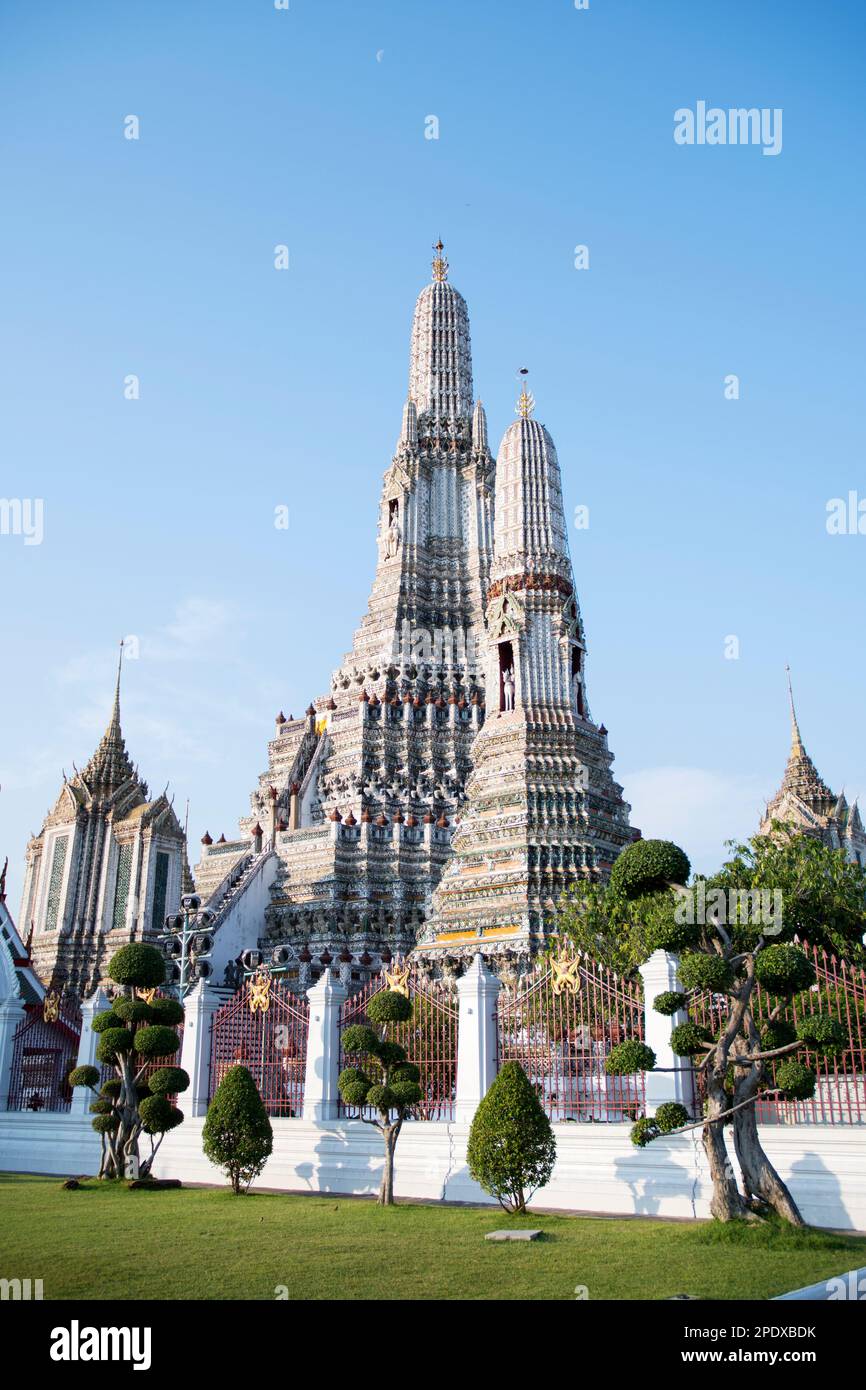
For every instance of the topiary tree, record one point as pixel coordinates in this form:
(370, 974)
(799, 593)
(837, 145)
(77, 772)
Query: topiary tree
(727, 955)
(511, 1148)
(131, 1034)
(393, 1089)
(237, 1134)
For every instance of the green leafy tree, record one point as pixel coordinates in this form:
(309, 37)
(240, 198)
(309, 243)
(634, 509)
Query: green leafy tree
(392, 1090)
(237, 1134)
(511, 1148)
(132, 1033)
(728, 954)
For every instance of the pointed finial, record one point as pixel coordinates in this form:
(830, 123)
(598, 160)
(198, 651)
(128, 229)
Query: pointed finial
(440, 263)
(117, 682)
(526, 400)
(796, 740)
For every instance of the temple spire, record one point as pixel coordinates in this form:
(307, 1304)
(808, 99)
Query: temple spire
(796, 739)
(440, 356)
(440, 263)
(110, 767)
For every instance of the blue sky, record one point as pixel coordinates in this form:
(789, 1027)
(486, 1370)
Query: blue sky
(259, 388)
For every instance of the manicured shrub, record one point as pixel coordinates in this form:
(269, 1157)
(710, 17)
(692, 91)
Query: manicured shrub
(689, 1038)
(155, 1112)
(644, 1131)
(784, 969)
(237, 1134)
(626, 1058)
(106, 1124)
(139, 965)
(795, 1079)
(698, 970)
(358, 1038)
(353, 1085)
(822, 1034)
(664, 933)
(669, 1003)
(168, 1081)
(84, 1076)
(647, 865)
(778, 1033)
(102, 1022)
(511, 1148)
(131, 1010)
(671, 1115)
(389, 1007)
(167, 1011)
(156, 1041)
(113, 1043)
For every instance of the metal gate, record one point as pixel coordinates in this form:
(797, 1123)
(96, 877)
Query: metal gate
(264, 1028)
(429, 1036)
(559, 1023)
(44, 1052)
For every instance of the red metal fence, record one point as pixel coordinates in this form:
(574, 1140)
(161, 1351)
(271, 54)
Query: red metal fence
(840, 1089)
(429, 1037)
(264, 1028)
(559, 1023)
(44, 1052)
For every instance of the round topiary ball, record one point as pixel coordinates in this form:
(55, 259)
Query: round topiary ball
(406, 1071)
(669, 1003)
(389, 1007)
(779, 1033)
(390, 1053)
(167, 1011)
(156, 1041)
(113, 1043)
(105, 1124)
(784, 969)
(138, 965)
(644, 1131)
(626, 1058)
(405, 1092)
(155, 1112)
(168, 1081)
(358, 1038)
(131, 1010)
(109, 1019)
(84, 1076)
(381, 1098)
(701, 971)
(795, 1079)
(671, 1115)
(822, 1034)
(648, 865)
(353, 1085)
(689, 1038)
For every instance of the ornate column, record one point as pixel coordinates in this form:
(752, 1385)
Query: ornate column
(477, 992)
(199, 1008)
(323, 1048)
(12, 1015)
(659, 975)
(82, 1095)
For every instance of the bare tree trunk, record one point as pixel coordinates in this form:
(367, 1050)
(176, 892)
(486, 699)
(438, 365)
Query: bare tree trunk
(726, 1203)
(386, 1190)
(760, 1178)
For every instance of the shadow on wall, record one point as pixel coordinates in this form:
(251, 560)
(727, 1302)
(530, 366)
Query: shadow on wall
(658, 1183)
(817, 1192)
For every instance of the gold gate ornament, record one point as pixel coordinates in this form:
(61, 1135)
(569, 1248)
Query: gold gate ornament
(51, 1007)
(397, 979)
(565, 971)
(260, 992)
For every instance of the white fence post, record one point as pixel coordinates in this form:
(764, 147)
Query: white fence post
(82, 1096)
(12, 1015)
(321, 1096)
(659, 975)
(199, 1008)
(477, 992)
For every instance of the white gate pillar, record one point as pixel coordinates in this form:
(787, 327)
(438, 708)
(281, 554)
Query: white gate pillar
(12, 1015)
(82, 1096)
(199, 1008)
(659, 975)
(477, 992)
(321, 1095)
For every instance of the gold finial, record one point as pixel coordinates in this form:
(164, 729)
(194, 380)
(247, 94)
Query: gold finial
(526, 400)
(440, 263)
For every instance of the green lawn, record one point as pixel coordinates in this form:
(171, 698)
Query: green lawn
(108, 1242)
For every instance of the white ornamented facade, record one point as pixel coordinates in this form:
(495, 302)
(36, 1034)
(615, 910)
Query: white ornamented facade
(353, 822)
(107, 866)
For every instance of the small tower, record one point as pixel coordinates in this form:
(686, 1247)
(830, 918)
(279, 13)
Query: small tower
(105, 868)
(543, 809)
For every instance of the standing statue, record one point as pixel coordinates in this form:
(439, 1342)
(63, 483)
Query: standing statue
(392, 543)
(576, 684)
(508, 688)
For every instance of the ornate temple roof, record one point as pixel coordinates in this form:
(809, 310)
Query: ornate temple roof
(110, 766)
(529, 531)
(801, 777)
(440, 354)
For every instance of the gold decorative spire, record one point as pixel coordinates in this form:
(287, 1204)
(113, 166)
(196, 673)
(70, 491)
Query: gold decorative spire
(440, 263)
(526, 400)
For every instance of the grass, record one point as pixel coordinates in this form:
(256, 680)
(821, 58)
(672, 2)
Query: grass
(103, 1241)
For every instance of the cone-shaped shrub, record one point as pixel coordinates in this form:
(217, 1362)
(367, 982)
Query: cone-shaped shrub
(237, 1134)
(511, 1145)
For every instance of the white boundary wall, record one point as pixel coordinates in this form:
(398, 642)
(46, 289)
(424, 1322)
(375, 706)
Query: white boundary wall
(598, 1169)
